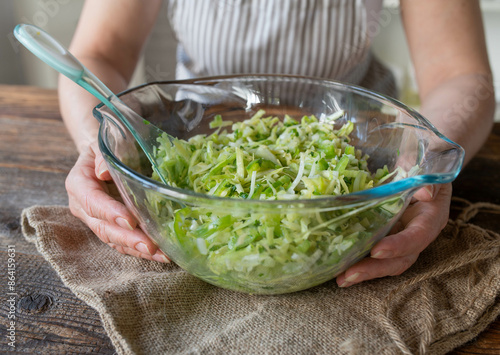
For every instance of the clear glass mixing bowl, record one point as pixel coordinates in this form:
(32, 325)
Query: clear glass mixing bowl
(337, 231)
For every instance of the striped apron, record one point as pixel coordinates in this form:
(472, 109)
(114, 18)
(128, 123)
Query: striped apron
(316, 38)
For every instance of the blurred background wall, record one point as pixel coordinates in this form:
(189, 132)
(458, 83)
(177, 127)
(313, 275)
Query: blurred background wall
(55, 16)
(59, 17)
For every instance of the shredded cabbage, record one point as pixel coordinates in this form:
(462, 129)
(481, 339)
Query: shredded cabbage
(266, 158)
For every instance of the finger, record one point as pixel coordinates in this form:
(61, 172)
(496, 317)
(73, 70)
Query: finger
(397, 227)
(110, 233)
(101, 169)
(368, 269)
(413, 239)
(98, 204)
(158, 256)
(427, 193)
(421, 228)
(109, 219)
(88, 193)
(420, 224)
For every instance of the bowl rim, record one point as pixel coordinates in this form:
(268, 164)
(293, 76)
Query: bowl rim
(409, 184)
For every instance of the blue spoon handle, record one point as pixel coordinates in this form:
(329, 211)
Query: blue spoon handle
(49, 50)
(53, 53)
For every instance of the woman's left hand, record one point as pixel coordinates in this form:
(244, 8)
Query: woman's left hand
(420, 224)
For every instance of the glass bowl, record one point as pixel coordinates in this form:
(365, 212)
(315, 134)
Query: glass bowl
(335, 231)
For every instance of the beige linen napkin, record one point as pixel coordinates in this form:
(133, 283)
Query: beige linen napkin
(447, 298)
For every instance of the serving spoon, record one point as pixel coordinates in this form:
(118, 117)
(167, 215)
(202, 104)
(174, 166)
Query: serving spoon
(53, 53)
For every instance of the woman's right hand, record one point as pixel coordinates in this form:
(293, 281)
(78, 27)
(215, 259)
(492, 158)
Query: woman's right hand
(90, 201)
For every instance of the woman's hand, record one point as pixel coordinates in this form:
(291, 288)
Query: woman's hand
(108, 218)
(420, 224)
(457, 96)
(112, 58)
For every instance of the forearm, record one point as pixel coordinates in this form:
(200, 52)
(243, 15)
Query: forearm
(462, 108)
(110, 49)
(76, 104)
(448, 50)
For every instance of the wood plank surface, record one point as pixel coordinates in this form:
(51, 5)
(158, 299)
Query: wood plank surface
(36, 153)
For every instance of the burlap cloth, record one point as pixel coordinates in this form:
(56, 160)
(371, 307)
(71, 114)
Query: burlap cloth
(447, 298)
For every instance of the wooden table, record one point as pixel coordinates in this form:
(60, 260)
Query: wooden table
(36, 153)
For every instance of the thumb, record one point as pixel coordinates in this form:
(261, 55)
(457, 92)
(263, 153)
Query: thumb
(101, 168)
(427, 193)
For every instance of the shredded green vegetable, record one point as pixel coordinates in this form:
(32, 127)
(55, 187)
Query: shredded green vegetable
(265, 158)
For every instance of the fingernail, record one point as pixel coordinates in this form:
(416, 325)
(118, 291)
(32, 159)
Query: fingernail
(122, 222)
(161, 258)
(143, 248)
(383, 254)
(102, 169)
(430, 190)
(346, 284)
(354, 277)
